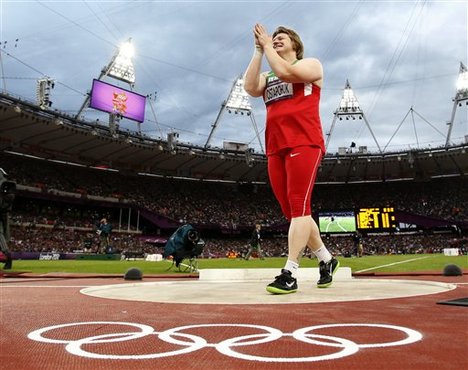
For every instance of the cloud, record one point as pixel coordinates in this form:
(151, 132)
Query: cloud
(395, 54)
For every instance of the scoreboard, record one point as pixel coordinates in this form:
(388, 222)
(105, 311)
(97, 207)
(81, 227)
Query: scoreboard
(376, 219)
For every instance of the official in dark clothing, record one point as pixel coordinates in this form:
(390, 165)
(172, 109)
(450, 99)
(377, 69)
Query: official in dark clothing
(104, 231)
(254, 243)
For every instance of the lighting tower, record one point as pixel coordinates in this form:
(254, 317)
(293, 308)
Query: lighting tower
(120, 68)
(44, 85)
(349, 109)
(237, 102)
(460, 96)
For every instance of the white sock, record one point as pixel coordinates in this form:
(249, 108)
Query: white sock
(323, 254)
(291, 266)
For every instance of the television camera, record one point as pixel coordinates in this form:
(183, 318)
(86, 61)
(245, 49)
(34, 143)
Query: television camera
(184, 243)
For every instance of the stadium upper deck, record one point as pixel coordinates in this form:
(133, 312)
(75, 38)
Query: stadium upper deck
(50, 134)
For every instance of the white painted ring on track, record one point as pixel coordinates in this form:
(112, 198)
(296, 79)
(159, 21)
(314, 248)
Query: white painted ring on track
(274, 333)
(412, 335)
(145, 330)
(75, 349)
(195, 342)
(349, 348)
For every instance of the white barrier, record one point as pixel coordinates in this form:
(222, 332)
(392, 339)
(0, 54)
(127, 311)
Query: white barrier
(154, 257)
(451, 251)
(304, 274)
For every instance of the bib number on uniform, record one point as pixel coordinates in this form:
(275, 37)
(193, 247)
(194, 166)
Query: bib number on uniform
(278, 90)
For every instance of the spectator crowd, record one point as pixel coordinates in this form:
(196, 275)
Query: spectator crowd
(226, 205)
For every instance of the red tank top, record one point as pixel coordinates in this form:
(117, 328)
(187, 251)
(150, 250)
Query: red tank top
(293, 117)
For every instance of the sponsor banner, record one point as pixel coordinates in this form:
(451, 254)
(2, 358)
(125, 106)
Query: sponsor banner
(49, 256)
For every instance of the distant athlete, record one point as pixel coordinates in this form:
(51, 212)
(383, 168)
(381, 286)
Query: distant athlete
(294, 143)
(358, 244)
(104, 231)
(254, 243)
(334, 224)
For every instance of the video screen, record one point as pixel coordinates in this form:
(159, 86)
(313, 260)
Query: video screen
(113, 99)
(337, 222)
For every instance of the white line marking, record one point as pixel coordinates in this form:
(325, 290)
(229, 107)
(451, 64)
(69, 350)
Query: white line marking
(392, 264)
(45, 286)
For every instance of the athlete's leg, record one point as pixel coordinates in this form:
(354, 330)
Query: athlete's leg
(281, 179)
(247, 256)
(301, 167)
(277, 176)
(260, 252)
(286, 281)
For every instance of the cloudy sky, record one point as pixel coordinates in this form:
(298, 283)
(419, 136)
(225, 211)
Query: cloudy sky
(397, 55)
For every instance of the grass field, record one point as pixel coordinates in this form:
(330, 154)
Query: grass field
(387, 263)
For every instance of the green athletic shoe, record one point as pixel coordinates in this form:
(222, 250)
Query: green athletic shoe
(283, 283)
(327, 270)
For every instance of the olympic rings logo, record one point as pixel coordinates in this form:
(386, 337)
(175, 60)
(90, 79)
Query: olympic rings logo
(191, 343)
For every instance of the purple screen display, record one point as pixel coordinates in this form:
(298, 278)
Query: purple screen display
(113, 99)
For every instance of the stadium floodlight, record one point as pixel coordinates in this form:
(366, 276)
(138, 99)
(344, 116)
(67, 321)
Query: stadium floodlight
(44, 85)
(350, 109)
(349, 105)
(122, 66)
(172, 140)
(460, 96)
(238, 100)
(462, 82)
(249, 159)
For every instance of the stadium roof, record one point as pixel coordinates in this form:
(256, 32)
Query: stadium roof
(29, 130)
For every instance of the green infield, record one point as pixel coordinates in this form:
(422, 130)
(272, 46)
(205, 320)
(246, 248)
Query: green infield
(387, 263)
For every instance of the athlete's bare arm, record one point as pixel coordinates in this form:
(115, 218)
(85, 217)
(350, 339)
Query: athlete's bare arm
(254, 81)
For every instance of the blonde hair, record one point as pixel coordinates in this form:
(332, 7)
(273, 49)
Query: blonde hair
(298, 46)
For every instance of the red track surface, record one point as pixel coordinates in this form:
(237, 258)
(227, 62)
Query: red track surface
(27, 305)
